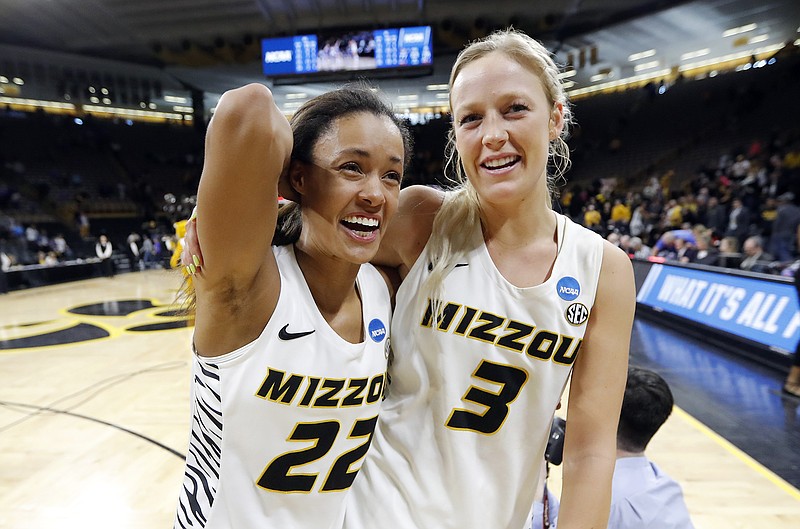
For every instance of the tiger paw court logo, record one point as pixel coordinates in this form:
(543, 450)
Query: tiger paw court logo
(94, 321)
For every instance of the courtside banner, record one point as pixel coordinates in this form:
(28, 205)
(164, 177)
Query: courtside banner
(763, 311)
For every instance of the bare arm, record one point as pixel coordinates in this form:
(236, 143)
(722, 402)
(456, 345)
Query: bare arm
(248, 145)
(410, 229)
(595, 397)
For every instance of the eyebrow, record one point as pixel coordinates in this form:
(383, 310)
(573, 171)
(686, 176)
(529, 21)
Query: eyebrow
(365, 154)
(470, 105)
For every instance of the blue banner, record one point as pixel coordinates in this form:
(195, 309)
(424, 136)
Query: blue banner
(763, 311)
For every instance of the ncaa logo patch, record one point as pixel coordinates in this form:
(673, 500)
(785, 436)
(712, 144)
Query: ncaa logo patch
(568, 288)
(377, 330)
(577, 314)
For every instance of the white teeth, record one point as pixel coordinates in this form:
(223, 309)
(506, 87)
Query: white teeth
(364, 221)
(492, 164)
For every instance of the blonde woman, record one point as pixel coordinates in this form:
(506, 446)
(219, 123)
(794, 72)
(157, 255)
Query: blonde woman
(502, 300)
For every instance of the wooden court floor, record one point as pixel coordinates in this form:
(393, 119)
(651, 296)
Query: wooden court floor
(92, 432)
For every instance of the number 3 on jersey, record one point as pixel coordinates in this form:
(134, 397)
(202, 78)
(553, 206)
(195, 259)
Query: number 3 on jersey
(279, 477)
(510, 379)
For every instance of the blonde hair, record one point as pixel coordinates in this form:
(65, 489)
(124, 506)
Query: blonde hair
(459, 214)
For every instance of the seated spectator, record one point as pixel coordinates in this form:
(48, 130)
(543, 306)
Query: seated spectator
(687, 233)
(60, 247)
(784, 228)
(642, 496)
(620, 215)
(665, 247)
(756, 259)
(673, 214)
(729, 256)
(683, 250)
(639, 224)
(592, 218)
(637, 248)
(104, 251)
(704, 252)
(5, 265)
(738, 220)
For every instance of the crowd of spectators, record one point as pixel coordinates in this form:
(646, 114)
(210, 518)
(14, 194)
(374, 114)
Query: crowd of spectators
(739, 212)
(149, 246)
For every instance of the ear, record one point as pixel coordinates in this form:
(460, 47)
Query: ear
(556, 124)
(291, 181)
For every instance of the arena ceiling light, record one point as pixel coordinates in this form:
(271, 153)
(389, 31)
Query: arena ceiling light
(695, 54)
(434, 87)
(645, 66)
(739, 30)
(641, 55)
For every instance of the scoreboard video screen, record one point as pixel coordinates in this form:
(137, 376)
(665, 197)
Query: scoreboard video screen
(396, 48)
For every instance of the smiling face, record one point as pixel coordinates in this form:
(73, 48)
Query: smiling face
(503, 124)
(351, 189)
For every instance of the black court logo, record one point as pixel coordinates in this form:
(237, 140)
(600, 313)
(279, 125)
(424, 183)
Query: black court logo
(95, 321)
(577, 314)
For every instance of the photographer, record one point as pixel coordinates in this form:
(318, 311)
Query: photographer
(642, 496)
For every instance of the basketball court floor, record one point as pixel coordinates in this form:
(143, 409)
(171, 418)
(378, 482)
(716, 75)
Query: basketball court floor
(94, 414)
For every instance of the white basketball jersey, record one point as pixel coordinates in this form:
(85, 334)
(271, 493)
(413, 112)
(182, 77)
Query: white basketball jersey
(463, 429)
(280, 425)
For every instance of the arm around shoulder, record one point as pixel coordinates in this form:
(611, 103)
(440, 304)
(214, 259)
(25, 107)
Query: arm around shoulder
(409, 230)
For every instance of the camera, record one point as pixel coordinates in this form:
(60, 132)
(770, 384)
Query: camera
(554, 452)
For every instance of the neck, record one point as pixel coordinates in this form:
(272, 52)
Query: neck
(517, 226)
(625, 453)
(332, 282)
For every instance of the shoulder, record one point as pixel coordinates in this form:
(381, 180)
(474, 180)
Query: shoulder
(420, 200)
(617, 265)
(580, 236)
(411, 227)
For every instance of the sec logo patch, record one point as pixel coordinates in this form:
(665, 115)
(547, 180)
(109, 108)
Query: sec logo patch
(577, 314)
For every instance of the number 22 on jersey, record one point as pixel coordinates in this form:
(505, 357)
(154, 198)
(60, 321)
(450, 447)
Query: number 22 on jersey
(280, 477)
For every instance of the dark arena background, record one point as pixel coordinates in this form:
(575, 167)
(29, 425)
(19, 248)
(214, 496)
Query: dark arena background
(687, 121)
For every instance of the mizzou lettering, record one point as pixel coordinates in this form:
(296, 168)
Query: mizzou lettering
(316, 392)
(516, 336)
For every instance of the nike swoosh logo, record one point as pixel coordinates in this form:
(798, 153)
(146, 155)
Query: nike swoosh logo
(283, 334)
(461, 264)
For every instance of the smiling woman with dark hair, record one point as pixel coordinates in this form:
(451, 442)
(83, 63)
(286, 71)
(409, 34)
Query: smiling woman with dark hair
(291, 340)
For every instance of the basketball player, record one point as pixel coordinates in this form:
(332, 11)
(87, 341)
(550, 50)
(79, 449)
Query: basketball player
(502, 298)
(291, 341)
